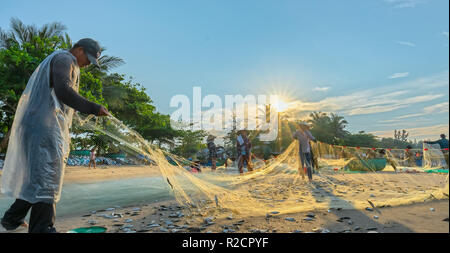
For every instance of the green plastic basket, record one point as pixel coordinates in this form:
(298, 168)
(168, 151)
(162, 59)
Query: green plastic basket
(88, 230)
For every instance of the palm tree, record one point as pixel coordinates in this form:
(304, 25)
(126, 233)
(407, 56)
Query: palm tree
(56, 37)
(21, 33)
(106, 63)
(337, 125)
(327, 128)
(318, 118)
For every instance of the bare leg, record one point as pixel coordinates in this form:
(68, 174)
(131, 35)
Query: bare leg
(301, 170)
(249, 163)
(213, 162)
(241, 164)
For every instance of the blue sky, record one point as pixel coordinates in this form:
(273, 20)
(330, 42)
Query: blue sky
(382, 64)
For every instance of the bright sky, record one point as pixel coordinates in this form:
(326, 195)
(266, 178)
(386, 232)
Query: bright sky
(382, 64)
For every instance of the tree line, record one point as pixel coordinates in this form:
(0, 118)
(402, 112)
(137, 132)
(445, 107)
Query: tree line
(23, 48)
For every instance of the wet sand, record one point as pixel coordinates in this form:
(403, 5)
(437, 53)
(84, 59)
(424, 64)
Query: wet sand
(168, 217)
(164, 218)
(82, 174)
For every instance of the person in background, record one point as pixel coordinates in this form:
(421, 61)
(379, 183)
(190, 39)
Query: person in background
(443, 144)
(244, 147)
(304, 136)
(419, 158)
(197, 166)
(194, 165)
(212, 151)
(410, 157)
(92, 157)
(371, 154)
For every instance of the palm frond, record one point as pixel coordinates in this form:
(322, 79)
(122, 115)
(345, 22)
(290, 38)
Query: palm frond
(19, 30)
(108, 62)
(27, 33)
(4, 37)
(52, 29)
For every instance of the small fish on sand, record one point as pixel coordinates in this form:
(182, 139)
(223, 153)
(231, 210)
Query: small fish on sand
(373, 206)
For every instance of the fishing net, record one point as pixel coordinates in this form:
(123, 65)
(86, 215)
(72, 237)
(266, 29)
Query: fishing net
(344, 177)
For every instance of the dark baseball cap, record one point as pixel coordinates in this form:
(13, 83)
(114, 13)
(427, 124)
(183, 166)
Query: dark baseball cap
(92, 50)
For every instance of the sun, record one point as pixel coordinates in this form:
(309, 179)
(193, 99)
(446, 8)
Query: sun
(283, 100)
(280, 105)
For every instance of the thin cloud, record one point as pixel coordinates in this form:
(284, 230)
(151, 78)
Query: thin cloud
(388, 121)
(437, 108)
(405, 124)
(399, 75)
(322, 89)
(379, 100)
(406, 43)
(410, 116)
(404, 3)
(433, 109)
(445, 34)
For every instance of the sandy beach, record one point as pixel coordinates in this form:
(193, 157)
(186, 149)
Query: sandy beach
(428, 216)
(82, 174)
(163, 218)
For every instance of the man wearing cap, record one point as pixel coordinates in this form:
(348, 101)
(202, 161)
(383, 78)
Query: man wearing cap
(39, 144)
(212, 151)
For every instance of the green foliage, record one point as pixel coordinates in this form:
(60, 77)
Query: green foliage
(394, 143)
(24, 47)
(190, 142)
(17, 63)
(361, 139)
(329, 129)
(91, 87)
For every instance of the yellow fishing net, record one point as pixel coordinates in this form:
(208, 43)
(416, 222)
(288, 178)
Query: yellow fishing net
(345, 177)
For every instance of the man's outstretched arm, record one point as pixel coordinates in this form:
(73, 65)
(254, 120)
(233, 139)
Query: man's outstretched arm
(60, 71)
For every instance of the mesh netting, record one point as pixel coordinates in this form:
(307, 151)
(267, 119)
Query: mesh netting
(344, 177)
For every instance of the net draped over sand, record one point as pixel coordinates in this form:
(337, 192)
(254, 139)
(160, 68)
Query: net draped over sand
(347, 177)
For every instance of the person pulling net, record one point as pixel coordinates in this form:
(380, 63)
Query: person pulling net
(273, 186)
